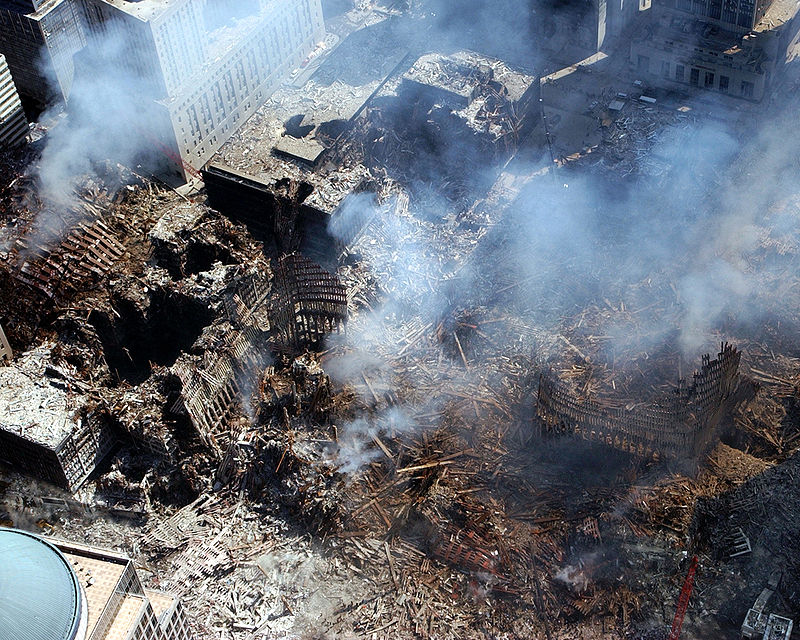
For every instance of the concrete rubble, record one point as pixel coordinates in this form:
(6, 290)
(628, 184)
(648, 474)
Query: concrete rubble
(327, 395)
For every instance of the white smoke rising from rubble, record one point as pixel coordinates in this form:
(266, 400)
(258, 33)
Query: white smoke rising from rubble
(112, 113)
(104, 122)
(683, 252)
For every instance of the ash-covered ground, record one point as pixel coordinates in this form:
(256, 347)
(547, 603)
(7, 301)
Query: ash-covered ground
(393, 479)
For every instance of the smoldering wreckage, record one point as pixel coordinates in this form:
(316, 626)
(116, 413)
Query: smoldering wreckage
(261, 404)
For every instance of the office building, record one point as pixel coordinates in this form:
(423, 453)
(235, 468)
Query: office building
(39, 39)
(65, 591)
(721, 47)
(13, 127)
(202, 67)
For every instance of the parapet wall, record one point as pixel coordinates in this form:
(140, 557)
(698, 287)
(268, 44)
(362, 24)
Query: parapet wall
(679, 425)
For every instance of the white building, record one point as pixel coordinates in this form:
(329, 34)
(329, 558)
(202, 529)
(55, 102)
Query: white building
(205, 65)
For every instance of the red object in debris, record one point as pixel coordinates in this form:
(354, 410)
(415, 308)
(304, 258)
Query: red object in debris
(683, 601)
(170, 153)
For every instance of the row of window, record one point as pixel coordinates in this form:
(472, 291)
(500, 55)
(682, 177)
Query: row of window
(709, 79)
(741, 13)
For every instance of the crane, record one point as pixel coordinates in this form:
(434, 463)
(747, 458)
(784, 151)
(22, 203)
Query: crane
(683, 601)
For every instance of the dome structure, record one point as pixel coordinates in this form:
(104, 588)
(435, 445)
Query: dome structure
(40, 596)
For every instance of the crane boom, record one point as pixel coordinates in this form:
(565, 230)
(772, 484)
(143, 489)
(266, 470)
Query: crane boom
(683, 601)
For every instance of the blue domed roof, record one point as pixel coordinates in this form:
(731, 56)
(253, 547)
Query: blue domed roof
(40, 597)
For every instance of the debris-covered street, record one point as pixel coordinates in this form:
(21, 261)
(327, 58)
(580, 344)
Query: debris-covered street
(466, 330)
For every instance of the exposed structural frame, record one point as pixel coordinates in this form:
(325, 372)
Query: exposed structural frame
(679, 425)
(311, 303)
(6, 354)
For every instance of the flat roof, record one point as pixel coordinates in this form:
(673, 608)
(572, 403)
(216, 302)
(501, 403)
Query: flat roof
(127, 615)
(36, 407)
(103, 575)
(161, 601)
(343, 84)
(144, 10)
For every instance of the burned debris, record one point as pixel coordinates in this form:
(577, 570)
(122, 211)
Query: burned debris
(682, 425)
(311, 303)
(416, 358)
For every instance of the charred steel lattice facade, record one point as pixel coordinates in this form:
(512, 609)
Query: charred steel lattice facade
(213, 390)
(679, 425)
(311, 303)
(82, 257)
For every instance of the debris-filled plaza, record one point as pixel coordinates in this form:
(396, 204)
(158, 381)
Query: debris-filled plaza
(458, 323)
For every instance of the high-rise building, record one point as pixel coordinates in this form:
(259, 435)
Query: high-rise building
(721, 46)
(13, 126)
(65, 591)
(200, 68)
(39, 39)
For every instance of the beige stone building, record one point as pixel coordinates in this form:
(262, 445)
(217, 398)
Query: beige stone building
(67, 591)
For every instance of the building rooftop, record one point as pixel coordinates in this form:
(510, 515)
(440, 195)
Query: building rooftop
(35, 406)
(40, 598)
(98, 577)
(779, 13)
(144, 10)
(160, 601)
(126, 617)
(462, 72)
(295, 127)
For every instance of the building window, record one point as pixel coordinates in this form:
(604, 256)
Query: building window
(723, 84)
(694, 77)
(680, 72)
(708, 81)
(643, 64)
(665, 68)
(747, 89)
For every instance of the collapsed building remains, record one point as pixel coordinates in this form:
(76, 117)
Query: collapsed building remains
(311, 303)
(48, 425)
(679, 426)
(279, 211)
(86, 254)
(211, 390)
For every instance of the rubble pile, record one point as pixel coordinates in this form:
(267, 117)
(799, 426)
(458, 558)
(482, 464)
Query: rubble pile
(370, 446)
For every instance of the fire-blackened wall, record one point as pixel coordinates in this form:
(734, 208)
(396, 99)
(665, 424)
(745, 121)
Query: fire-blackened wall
(681, 425)
(274, 211)
(70, 463)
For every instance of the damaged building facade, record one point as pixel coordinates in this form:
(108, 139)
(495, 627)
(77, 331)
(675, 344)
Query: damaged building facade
(48, 429)
(205, 67)
(13, 125)
(39, 39)
(732, 48)
(682, 425)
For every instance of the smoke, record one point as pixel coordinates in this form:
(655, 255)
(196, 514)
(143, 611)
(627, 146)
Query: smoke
(107, 115)
(679, 258)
